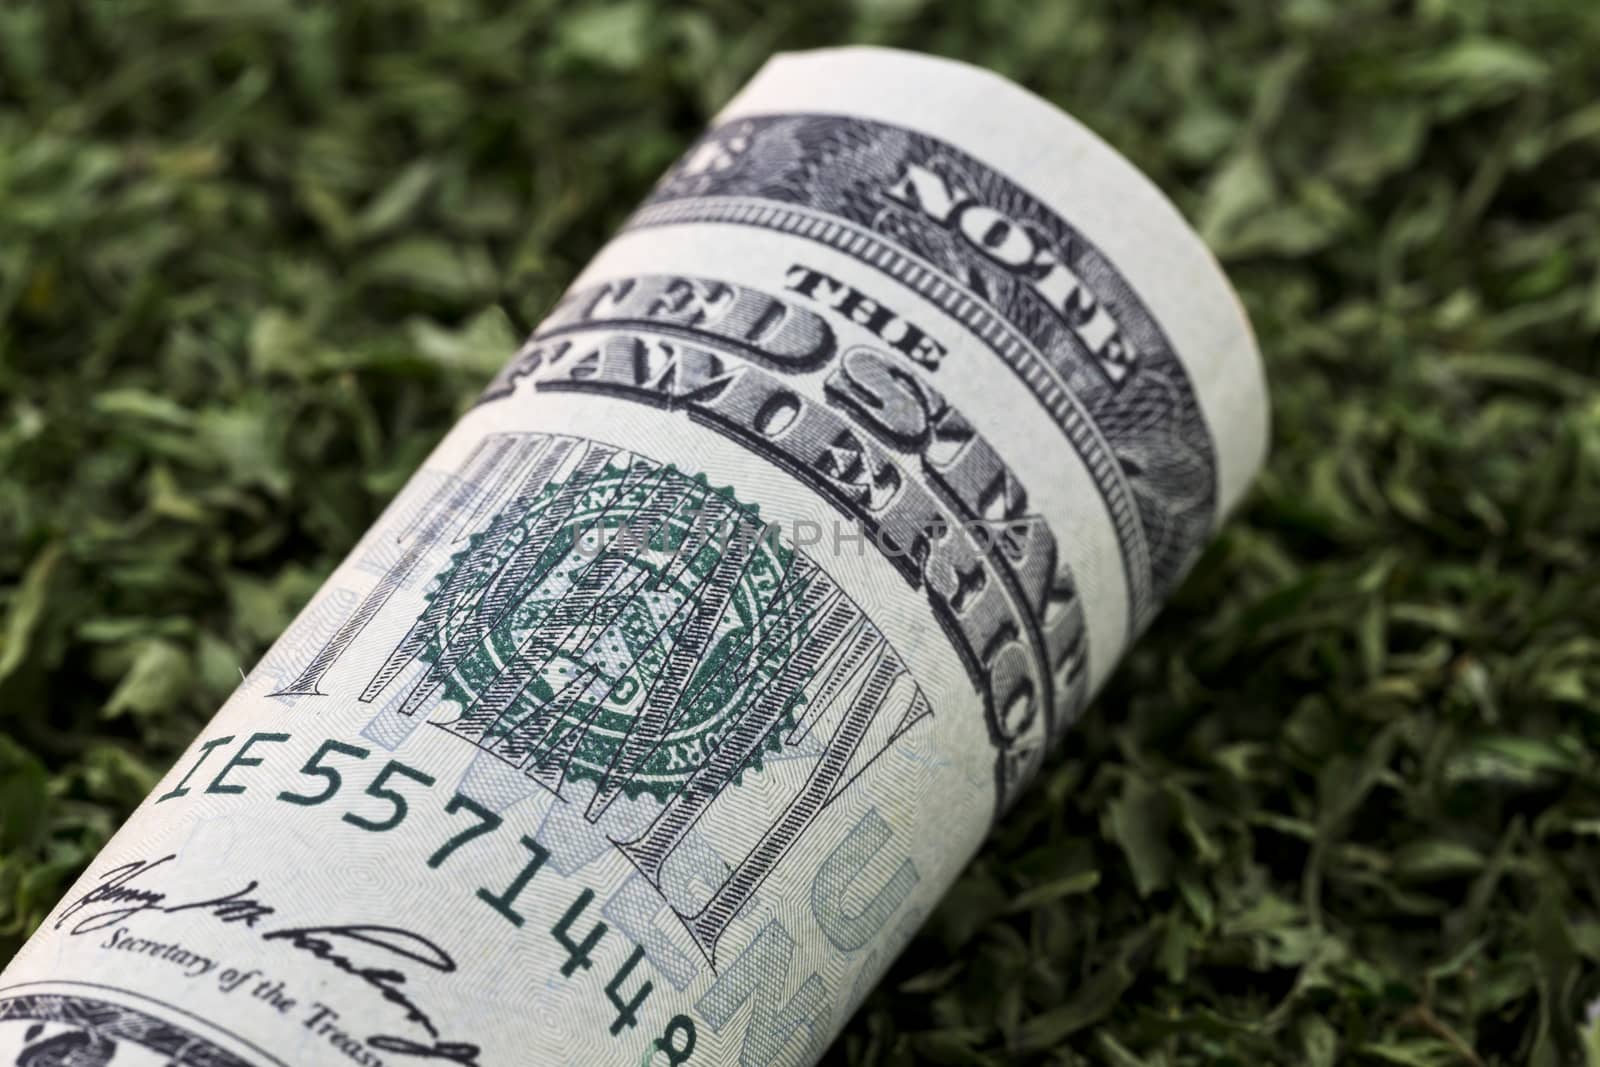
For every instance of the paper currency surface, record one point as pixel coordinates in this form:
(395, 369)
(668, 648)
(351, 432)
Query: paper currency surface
(666, 699)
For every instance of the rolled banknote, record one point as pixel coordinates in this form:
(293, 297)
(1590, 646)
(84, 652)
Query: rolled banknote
(662, 704)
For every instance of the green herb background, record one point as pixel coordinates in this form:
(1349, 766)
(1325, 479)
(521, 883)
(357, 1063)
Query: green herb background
(1341, 804)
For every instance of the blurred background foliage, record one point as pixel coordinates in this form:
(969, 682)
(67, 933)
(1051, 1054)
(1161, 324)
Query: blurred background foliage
(1342, 803)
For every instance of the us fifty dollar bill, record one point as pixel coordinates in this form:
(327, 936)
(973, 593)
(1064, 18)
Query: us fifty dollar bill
(662, 704)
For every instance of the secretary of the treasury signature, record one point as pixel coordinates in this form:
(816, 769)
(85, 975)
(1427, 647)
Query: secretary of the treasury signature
(378, 956)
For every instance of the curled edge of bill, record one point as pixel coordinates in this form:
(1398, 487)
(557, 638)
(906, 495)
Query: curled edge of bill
(1090, 184)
